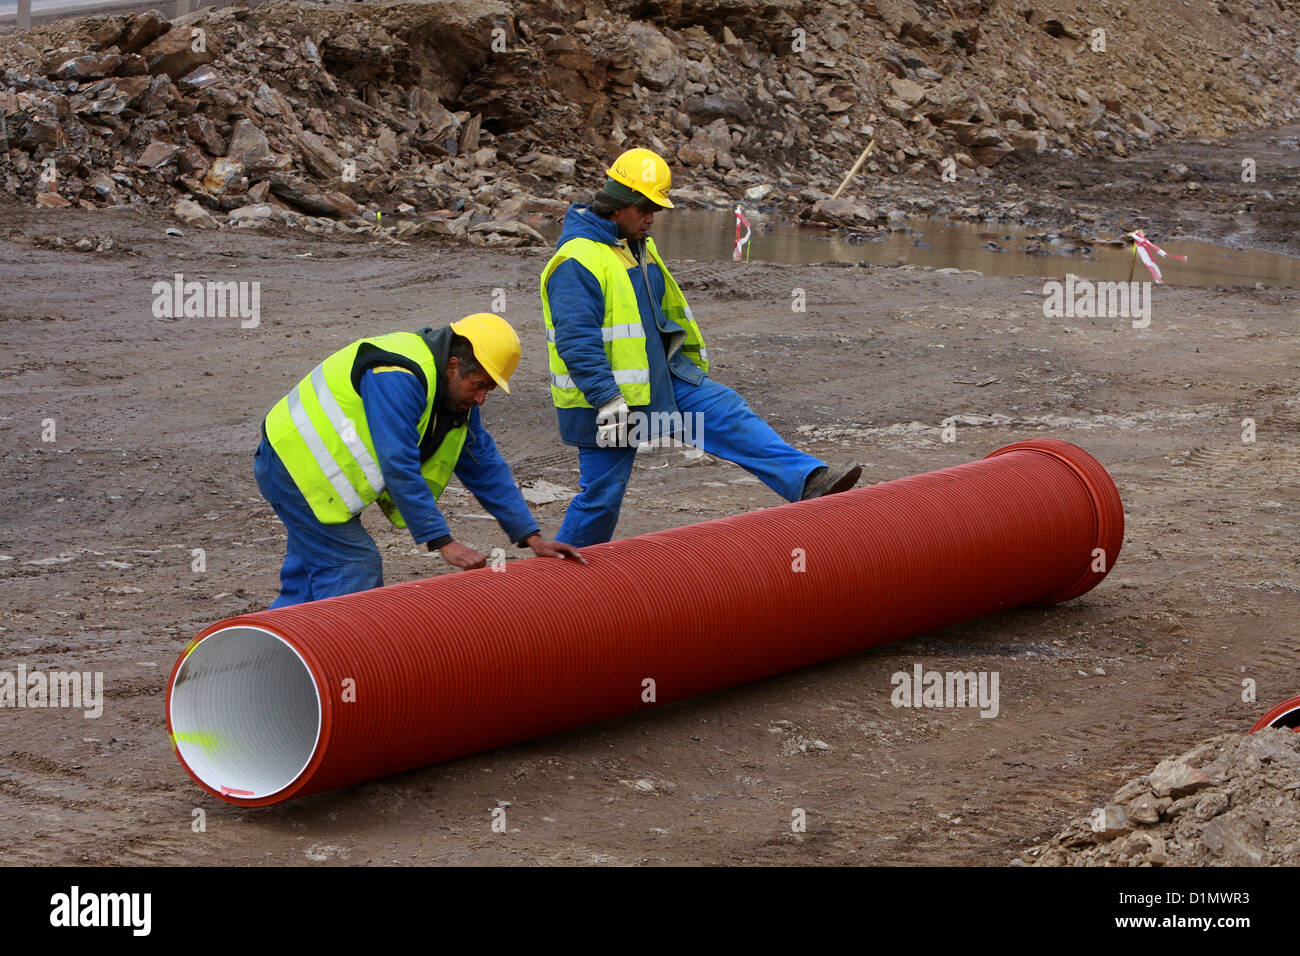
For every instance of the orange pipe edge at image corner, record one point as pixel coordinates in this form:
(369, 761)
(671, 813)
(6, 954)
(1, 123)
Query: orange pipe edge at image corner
(271, 705)
(1285, 714)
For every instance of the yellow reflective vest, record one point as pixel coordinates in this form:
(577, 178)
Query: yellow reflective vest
(622, 330)
(320, 432)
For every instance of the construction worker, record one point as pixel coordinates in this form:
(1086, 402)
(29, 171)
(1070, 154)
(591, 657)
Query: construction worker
(628, 362)
(389, 419)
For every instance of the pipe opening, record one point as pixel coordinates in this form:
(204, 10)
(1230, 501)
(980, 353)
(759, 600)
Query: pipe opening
(245, 712)
(1290, 719)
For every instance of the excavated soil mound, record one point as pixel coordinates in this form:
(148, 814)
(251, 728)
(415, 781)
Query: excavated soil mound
(1231, 801)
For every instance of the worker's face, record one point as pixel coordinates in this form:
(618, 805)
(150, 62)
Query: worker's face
(633, 223)
(466, 391)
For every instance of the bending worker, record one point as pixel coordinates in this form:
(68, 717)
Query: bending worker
(389, 419)
(628, 362)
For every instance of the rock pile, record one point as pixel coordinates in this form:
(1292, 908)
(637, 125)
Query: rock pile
(481, 119)
(1231, 801)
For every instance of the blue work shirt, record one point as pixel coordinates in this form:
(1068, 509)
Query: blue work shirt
(578, 313)
(393, 402)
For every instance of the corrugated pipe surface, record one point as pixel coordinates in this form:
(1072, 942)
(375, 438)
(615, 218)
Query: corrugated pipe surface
(277, 704)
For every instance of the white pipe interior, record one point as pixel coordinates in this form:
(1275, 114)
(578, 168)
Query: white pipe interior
(245, 712)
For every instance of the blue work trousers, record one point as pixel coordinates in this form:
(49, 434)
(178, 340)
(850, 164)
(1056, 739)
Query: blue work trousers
(321, 560)
(727, 428)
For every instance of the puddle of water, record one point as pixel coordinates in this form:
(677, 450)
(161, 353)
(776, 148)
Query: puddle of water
(708, 235)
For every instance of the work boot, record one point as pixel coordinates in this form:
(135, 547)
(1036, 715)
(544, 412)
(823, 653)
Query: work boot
(831, 481)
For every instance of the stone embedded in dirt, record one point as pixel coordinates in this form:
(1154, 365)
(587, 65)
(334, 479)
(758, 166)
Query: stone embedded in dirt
(142, 30)
(248, 146)
(204, 132)
(252, 212)
(52, 201)
(519, 230)
(268, 102)
(109, 32)
(40, 133)
(1058, 29)
(657, 61)
(548, 166)
(103, 185)
(158, 95)
(321, 161)
(1175, 779)
(470, 135)
(1109, 822)
(1208, 807)
(542, 492)
(156, 154)
(724, 106)
(1146, 808)
(698, 152)
(188, 210)
(223, 173)
(896, 107)
(1236, 838)
(201, 78)
(842, 212)
(909, 91)
(309, 199)
(89, 67)
(1026, 142)
(174, 53)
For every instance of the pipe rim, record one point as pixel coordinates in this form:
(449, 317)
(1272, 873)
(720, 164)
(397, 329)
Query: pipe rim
(1107, 506)
(1285, 714)
(191, 734)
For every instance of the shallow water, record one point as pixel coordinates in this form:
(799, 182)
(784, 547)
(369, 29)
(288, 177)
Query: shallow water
(990, 248)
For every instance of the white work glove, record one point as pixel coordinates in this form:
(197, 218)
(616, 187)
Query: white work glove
(611, 424)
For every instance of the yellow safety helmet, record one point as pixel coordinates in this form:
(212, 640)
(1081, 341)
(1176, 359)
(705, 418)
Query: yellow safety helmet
(645, 171)
(496, 346)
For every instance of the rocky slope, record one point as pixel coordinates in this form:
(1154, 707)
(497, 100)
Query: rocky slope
(480, 119)
(1231, 801)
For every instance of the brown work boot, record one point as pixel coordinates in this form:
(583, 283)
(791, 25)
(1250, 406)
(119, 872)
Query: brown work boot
(831, 481)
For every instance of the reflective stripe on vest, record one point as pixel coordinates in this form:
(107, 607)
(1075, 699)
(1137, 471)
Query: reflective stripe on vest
(307, 431)
(622, 376)
(622, 330)
(319, 431)
(631, 330)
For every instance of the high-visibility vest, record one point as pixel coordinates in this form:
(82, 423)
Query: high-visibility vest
(622, 331)
(320, 432)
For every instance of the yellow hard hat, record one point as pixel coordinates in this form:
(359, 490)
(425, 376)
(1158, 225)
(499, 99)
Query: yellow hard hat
(496, 346)
(645, 171)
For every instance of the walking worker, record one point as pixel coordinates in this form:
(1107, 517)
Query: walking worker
(627, 359)
(389, 419)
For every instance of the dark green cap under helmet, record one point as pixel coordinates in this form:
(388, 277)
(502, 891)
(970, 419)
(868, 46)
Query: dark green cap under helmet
(628, 196)
(619, 191)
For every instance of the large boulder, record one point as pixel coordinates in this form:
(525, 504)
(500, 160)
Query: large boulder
(657, 62)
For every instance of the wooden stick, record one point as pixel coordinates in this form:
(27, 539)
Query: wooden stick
(856, 166)
(24, 14)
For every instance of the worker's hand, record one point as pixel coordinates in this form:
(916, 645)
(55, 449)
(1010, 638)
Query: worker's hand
(554, 549)
(611, 424)
(467, 559)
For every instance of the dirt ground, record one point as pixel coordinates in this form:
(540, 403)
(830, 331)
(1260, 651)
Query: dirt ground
(156, 421)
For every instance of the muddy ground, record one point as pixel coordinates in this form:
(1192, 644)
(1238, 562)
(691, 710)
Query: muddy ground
(156, 421)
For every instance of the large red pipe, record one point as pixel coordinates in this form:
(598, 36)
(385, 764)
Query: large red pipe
(278, 704)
